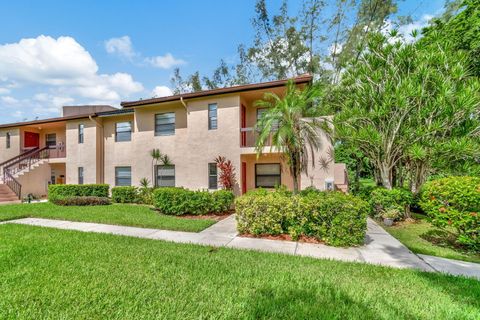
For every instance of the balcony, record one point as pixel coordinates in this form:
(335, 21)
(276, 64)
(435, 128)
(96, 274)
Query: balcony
(248, 140)
(57, 151)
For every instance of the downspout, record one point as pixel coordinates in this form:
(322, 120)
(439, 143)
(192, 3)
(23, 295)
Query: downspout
(184, 104)
(102, 150)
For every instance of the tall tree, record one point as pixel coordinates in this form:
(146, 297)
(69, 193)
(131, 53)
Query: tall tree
(460, 26)
(406, 103)
(291, 126)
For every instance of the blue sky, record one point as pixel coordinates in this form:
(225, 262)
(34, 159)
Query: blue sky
(55, 53)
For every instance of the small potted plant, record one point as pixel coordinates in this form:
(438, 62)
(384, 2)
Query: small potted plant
(390, 215)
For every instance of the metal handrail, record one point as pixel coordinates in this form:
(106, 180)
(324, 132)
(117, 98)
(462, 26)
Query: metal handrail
(16, 158)
(23, 162)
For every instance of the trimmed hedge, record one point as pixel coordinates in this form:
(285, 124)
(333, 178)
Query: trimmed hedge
(124, 195)
(333, 217)
(455, 202)
(180, 201)
(60, 191)
(382, 199)
(82, 201)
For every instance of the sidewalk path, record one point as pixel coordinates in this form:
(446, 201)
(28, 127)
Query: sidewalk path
(380, 247)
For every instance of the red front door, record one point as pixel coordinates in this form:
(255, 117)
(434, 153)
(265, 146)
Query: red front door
(244, 177)
(32, 140)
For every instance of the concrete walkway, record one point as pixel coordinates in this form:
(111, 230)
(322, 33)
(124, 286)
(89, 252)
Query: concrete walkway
(380, 247)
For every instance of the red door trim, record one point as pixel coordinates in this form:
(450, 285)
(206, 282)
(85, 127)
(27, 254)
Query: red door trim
(244, 177)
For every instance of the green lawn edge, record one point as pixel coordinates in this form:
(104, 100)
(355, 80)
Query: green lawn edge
(410, 236)
(115, 214)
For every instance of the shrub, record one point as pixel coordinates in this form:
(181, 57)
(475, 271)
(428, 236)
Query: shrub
(383, 199)
(310, 190)
(179, 201)
(59, 191)
(145, 195)
(124, 195)
(82, 201)
(333, 217)
(222, 201)
(364, 191)
(455, 202)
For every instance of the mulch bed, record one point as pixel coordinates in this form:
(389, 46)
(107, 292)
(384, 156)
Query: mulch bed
(284, 237)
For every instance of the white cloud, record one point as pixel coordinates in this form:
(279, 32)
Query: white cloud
(405, 30)
(161, 91)
(164, 62)
(9, 100)
(121, 46)
(63, 70)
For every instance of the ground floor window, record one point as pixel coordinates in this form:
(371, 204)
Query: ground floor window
(165, 176)
(267, 175)
(80, 175)
(123, 176)
(212, 176)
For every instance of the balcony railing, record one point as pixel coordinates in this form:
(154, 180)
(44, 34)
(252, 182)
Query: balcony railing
(249, 136)
(58, 151)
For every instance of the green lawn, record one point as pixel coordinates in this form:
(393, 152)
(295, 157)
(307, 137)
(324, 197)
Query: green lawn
(422, 237)
(119, 214)
(59, 274)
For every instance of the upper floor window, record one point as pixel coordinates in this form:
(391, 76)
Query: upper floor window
(123, 131)
(165, 124)
(212, 176)
(81, 128)
(166, 176)
(8, 140)
(51, 140)
(267, 175)
(261, 112)
(80, 175)
(123, 176)
(212, 116)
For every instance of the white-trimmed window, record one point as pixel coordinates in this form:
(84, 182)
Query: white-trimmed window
(123, 176)
(212, 176)
(165, 124)
(81, 129)
(8, 140)
(123, 131)
(268, 175)
(80, 175)
(165, 176)
(212, 116)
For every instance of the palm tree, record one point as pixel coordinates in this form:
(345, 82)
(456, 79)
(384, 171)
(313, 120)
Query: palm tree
(156, 156)
(292, 125)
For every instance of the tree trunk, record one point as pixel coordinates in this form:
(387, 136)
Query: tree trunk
(295, 183)
(356, 184)
(385, 176)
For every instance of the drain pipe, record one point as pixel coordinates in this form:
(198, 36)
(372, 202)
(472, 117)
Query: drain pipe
(102, 148)
(184, 104)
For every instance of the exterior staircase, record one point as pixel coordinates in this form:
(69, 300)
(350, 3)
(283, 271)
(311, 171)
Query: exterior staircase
(10, 170)
(7, 196)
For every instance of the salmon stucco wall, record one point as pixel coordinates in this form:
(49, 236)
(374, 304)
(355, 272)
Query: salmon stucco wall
(14, 150)
(84, 154)
(190, 149)
(36, 180)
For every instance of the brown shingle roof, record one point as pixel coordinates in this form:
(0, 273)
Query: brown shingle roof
(255, 86)
(49, 120)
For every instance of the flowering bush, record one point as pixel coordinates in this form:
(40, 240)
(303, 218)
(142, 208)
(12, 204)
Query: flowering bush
(227, 172)
(455, 202)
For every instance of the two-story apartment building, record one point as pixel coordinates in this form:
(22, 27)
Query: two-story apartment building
(102, 144)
